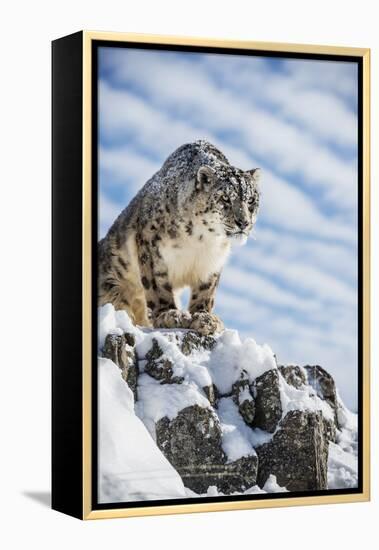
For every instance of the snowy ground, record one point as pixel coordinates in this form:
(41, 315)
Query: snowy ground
(131, 467)
(343, 456)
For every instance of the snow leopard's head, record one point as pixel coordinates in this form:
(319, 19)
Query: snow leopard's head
(232, 198)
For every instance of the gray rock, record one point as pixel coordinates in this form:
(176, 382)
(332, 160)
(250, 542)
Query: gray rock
(243, 398)
(236, 476)
(192, 443)
(293, 375)
(298, 453)
(193, 341)
(212, 394)
(160, 367)
(330, 430)
(323, 384)
(120, 349)
(268, 406)
(115, 349)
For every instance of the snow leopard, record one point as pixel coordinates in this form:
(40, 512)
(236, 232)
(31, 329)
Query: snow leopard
(177, 232)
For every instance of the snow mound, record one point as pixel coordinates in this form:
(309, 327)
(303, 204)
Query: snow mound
(343, 455)
(131, 466)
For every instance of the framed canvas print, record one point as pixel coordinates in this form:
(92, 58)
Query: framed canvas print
(210, 275)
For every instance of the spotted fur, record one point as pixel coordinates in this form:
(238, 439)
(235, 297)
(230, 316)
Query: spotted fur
(177, 232)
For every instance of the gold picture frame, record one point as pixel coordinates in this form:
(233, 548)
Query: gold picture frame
(77, 50)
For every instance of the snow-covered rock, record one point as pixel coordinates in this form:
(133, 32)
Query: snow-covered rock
(213, 416)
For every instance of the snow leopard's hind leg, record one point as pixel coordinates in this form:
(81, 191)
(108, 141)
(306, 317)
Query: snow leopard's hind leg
(119, 283)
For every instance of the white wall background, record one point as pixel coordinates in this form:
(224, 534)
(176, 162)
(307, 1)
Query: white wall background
(27, 28)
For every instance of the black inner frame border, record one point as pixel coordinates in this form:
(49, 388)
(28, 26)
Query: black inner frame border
(95, 45)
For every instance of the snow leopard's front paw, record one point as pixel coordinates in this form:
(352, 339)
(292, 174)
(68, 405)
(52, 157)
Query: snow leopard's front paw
(173, 318)
(206, 323)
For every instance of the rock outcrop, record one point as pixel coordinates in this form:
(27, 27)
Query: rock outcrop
(192, 442)
(266, 390)
(121, 350)
(297, 454)
(224, 414)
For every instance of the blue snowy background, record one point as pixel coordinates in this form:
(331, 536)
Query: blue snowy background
(294, 284)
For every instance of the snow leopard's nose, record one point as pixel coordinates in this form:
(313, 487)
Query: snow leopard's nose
(241, 214)
(242, 224)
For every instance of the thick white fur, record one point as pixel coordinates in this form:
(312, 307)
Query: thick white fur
(196, 259)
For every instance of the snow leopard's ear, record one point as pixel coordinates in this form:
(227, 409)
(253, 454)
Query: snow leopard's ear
(204, 178)
(255, 174)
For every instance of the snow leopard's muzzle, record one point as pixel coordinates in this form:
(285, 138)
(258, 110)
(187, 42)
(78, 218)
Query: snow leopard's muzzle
(239, 228)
